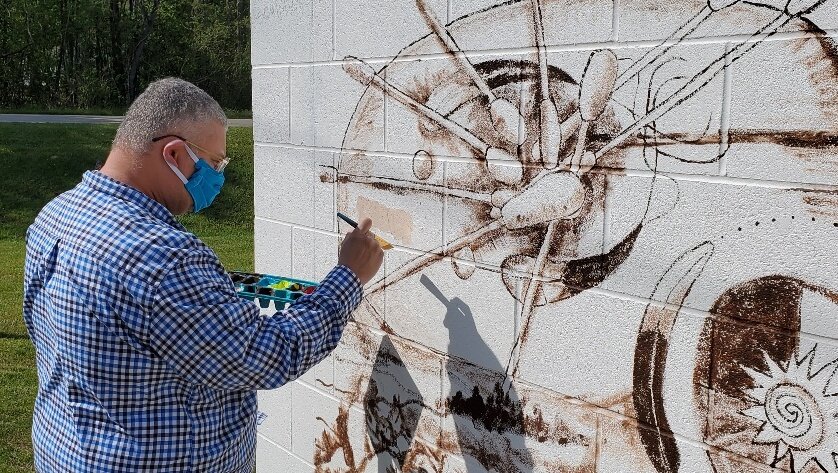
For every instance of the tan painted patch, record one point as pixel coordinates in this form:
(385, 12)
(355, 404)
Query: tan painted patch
(385, 219)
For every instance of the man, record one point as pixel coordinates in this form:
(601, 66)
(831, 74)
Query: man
(147, 360)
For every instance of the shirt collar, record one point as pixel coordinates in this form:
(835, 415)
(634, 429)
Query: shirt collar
(107, 185)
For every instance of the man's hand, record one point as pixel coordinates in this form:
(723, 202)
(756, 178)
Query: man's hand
(360, 252)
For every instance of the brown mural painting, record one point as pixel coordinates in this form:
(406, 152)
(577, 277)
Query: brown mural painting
(772, 401)
(529, 155)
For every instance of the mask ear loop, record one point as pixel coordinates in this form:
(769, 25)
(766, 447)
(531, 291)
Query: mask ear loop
(174, 168)
(191, 153)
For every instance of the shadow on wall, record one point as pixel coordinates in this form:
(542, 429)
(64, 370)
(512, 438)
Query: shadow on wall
(392, 407)
(489, 422)
(486, 411)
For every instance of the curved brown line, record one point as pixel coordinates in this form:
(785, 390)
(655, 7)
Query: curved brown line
(651, 353)
(588, 272)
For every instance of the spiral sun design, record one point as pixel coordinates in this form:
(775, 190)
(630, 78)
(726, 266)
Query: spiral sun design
(797, 413)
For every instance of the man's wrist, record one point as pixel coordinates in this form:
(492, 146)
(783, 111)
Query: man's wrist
(355, 277)
(343, 284)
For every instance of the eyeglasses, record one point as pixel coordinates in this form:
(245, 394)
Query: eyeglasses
(217, 161)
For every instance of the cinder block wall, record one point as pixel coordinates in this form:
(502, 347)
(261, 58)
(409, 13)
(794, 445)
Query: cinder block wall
(615, 225)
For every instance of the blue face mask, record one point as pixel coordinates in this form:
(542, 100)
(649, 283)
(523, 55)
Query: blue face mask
(205, 183)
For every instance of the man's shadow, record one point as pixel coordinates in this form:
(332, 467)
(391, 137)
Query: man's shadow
(392, 407)
(485, 415)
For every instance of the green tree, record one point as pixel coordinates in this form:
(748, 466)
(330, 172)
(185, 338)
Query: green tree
(82, 53)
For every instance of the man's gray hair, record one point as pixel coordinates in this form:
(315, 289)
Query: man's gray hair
(167, 106)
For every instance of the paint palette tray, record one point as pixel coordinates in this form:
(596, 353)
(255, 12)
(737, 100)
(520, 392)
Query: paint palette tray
(266, 288)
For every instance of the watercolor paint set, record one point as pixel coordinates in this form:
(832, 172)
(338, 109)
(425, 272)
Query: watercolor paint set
(267, 288)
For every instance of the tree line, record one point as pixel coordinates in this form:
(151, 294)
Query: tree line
(102, 53)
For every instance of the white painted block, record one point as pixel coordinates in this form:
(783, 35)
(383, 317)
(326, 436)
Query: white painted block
(271, 105)
(275, 425)
(272, 242)
(583, 347)
(651, 20)
(372, 310)
(315, 254)
(308, 404)
(476, 322)
(743, 232)
(281, 199)
(823, 16)
(809, 164)
(321, 375)
(491, 24)
(380, 28)
(324, 99)
(324, 190)
(270, 457)
(782, 85)
(299, 187)
(290, 31)
(782, 113)
(461, 8)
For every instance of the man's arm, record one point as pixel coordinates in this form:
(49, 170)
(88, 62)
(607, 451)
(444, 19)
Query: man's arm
(210, 336)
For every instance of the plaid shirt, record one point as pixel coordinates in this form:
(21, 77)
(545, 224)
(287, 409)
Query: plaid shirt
(147, 359)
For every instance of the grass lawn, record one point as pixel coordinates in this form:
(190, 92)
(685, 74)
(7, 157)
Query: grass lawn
(41, 161)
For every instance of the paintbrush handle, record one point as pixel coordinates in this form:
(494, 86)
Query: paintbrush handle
(426, 281)
(381, 241)
(348, 220)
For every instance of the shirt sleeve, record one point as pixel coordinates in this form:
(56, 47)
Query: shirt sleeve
(210, 336)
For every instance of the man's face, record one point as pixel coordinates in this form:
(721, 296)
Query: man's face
(209, 143)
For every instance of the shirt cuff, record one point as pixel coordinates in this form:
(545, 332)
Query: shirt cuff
(343, 285)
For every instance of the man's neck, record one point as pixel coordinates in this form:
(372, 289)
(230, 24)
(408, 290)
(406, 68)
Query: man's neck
(120, 167)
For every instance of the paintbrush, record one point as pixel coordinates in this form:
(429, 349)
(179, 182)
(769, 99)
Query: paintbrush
(381, 241)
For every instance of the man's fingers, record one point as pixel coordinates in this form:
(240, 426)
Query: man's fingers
(365, 225)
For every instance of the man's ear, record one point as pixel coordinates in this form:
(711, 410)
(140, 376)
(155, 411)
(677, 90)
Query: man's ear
(173, 153)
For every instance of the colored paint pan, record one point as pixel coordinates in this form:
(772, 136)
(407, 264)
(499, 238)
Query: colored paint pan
(280, 285)
(263, 288)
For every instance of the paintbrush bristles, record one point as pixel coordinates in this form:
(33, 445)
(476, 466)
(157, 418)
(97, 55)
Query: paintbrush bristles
(385, 245)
